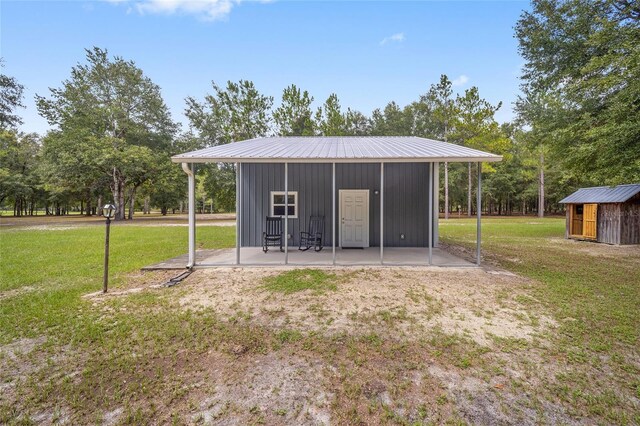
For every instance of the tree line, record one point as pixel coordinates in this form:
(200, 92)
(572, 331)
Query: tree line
(112, 135)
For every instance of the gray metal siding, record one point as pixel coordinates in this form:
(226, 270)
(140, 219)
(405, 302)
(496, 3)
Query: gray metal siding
(405, 210)
(406, 199)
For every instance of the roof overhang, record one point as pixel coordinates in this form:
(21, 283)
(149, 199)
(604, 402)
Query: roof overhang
(395, 149)
(184, 159)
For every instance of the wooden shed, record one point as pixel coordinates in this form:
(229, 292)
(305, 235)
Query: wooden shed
(604, 214)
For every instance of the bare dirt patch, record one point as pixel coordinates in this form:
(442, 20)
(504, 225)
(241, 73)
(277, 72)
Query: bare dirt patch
(16, 292)
(390, 301)
(135, 282)
(413, 310)
(23, 358)
(18, 359)
(269, 388)
(597, 249)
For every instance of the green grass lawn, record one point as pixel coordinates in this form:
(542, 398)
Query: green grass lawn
(143, 351)
(600, 293)
(56, 267)
(593, 291)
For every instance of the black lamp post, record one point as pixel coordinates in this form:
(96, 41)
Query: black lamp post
(108, 212)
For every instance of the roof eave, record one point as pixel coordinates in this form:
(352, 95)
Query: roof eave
(183, 159)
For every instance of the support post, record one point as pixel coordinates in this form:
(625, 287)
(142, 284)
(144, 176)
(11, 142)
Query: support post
(238, 210)
(436, 202)
(479, 212)
(189, 169)
(286, 213)
(333, 212)
(430, 210)
(469, 195)
(105, 276)
(381, 213)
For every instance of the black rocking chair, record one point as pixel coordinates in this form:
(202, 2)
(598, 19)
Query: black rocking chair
(272, 237)
(313, 237)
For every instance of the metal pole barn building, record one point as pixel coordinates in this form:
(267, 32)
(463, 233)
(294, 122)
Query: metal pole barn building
(343, 193)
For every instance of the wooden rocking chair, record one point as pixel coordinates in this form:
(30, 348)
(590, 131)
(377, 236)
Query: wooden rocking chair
(313, 236)
(272, 236)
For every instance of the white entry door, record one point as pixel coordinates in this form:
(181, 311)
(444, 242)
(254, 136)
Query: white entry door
(354, 218)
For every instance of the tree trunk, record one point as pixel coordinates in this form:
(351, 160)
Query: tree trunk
(89, 211)
(146, 206)
(118, 195)
(132, 201)
(446, 190)
(541, 188)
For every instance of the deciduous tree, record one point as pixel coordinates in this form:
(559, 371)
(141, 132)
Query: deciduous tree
(581, 85)
(234, 113)
(111, 103)
(11, 93)
(474, 126)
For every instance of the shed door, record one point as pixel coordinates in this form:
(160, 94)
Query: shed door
(590, 220)
(354, 218)
(576, 213)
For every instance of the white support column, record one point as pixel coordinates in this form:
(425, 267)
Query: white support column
(381, 213)
(189, 169)
(436, 202)
(479, 211)
(286, 213)
(430, 217)
(333, 212)
(238, 210)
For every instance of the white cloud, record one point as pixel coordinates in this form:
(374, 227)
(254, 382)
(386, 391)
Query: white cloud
(208, 10)
(395, 38)
(460, 81)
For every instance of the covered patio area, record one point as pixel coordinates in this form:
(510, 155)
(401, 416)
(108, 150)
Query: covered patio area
(365, 200)
(254, 256)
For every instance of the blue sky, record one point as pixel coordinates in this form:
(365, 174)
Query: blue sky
(369, 53)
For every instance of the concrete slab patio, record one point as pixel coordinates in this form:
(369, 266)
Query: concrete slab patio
(254, 256)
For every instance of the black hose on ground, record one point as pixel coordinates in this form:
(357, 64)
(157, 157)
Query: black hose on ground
(177, 279)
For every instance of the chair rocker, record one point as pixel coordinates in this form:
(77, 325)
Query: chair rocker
(313, 236)
(272, 236)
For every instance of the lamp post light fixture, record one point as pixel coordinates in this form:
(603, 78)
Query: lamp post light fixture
(108, 212)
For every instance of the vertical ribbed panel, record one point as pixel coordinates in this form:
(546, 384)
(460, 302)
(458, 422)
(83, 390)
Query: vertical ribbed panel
(406, 199)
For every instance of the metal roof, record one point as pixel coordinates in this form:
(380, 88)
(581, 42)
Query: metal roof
(339, 149)
(603, 194)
